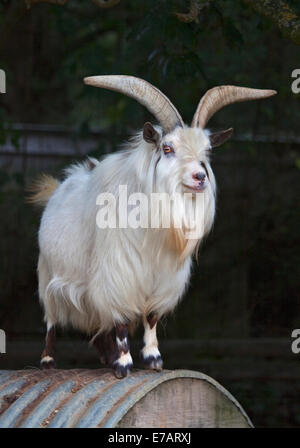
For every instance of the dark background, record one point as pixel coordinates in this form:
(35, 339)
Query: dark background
(236, 320)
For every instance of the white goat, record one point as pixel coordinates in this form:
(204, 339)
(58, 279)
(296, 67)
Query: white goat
(102, 281)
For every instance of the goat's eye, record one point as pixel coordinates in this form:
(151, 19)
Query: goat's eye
(167, 149)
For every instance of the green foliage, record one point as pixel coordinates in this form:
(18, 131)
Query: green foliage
(57, 46)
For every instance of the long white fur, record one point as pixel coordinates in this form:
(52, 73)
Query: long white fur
(47, 359)
(94, 278)
(150, 341)
(125, 360)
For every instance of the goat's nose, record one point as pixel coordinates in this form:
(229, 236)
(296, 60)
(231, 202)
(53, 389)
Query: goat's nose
(200, 176)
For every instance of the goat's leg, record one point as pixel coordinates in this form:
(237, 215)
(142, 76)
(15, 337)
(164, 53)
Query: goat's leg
(123, 364)
(98, 342)
(150, 353)
(47, 358)
(105, 343)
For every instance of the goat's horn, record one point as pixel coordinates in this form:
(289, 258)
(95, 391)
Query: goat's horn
(221, 96)
(145, 93)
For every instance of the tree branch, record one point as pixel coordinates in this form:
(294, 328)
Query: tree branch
(280, 13)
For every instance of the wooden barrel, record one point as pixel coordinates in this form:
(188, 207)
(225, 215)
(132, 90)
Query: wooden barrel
(95, 398)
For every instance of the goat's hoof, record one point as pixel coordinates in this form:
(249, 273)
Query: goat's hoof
(152, 360)
(122, 366)
(47, 363)
(122, 371)
(153, 363)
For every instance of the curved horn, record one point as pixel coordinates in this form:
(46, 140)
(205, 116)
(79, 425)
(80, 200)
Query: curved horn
(221, 96)
(145, 93)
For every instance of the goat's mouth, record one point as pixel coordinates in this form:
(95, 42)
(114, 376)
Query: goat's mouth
(196, 188)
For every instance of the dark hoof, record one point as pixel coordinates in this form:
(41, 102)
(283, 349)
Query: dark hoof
(121, 371)
(47, 363)
(152, 362)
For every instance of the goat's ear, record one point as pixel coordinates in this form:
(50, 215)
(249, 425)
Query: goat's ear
(150, 135)
(218, 138)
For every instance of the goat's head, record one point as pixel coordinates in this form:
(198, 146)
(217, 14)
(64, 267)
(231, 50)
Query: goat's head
(183, 151)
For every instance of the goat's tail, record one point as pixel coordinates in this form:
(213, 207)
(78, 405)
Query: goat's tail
(42, 189)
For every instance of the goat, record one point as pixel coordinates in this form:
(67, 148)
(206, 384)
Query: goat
(102, 281)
